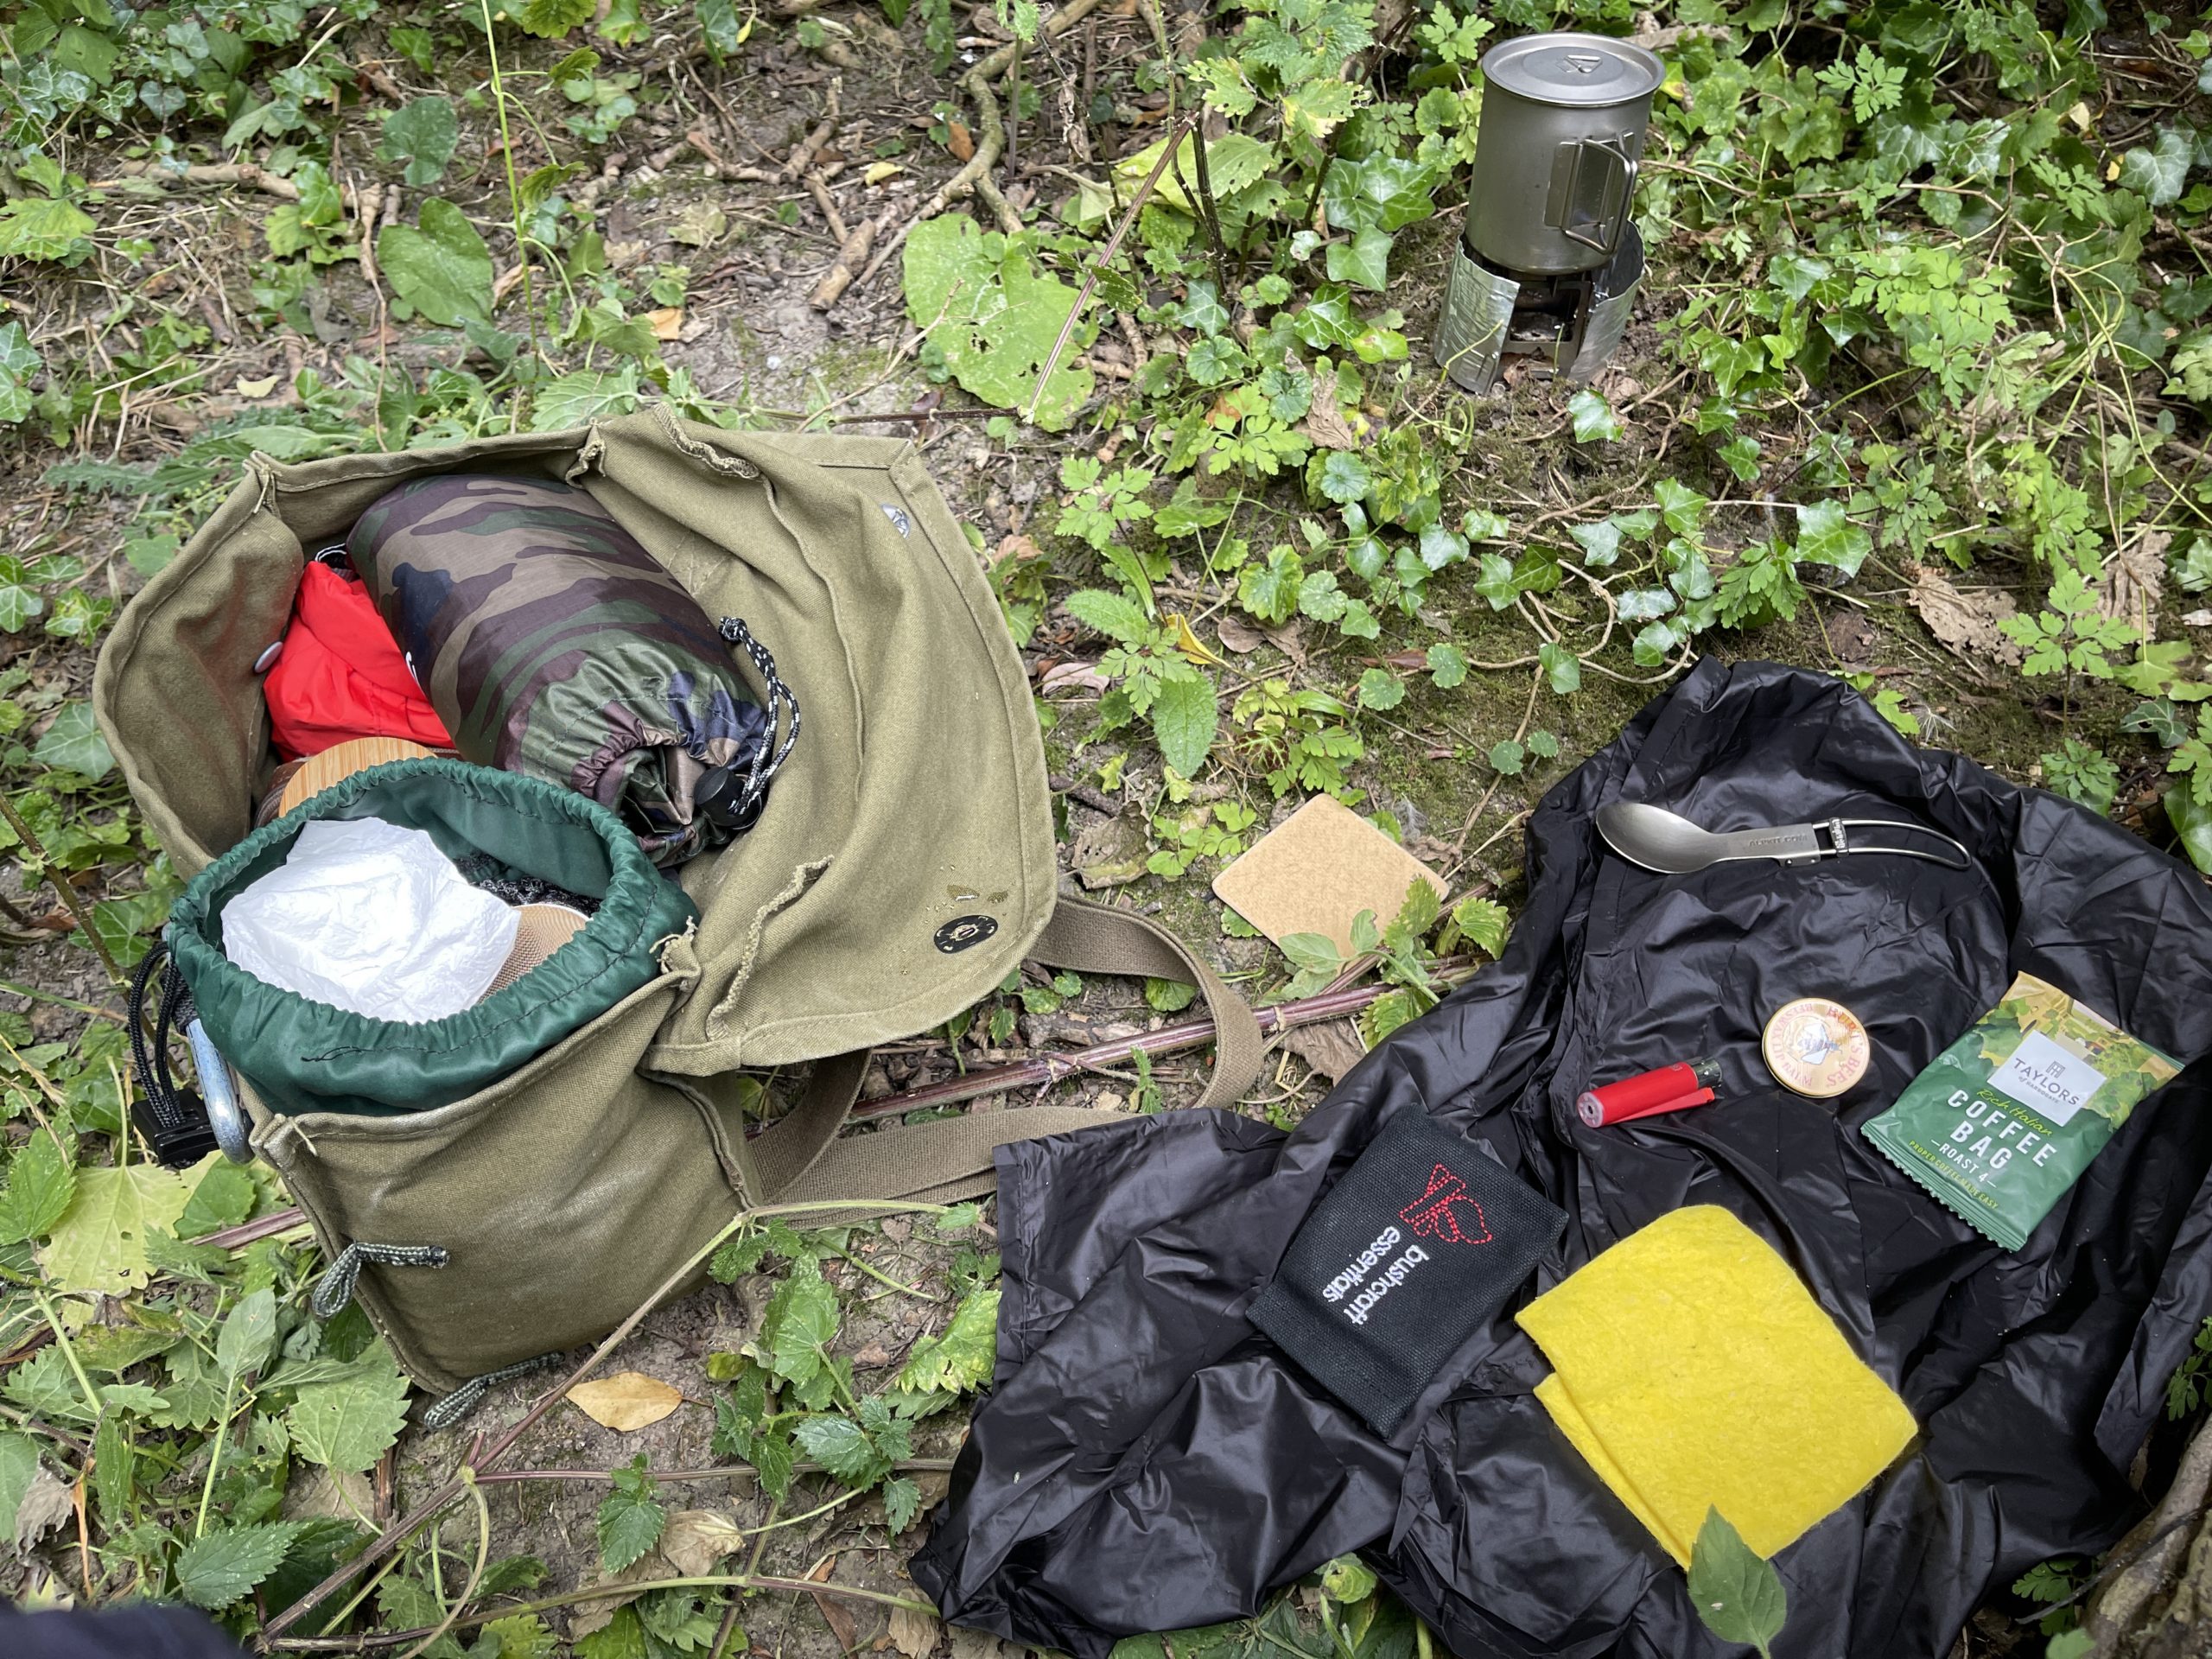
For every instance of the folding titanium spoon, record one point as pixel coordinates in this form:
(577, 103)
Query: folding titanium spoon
(1671, 844)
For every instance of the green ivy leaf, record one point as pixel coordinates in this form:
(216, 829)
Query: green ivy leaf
(439, 266)
(2159, 175)
(42, 227)
(1561, 668)
(1592, 417)
(220, 1568)
(630, 1518)
(74, 743)
(1681, 508)
(1826, 537)
(1183, 715)
(1736, 1593)
(422, 135)
(1364, 261)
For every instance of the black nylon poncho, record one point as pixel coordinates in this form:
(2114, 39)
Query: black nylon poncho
(1148, 1461)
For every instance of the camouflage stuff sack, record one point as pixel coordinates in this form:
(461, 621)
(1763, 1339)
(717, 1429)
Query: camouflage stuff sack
(550, 644)
(902, 867)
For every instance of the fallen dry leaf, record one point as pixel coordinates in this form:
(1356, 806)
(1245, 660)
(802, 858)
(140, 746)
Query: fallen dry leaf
(1073, 677)
(667, 322)
(1016, 546)
(981, 1644)
(1238, 635)
(45, 1507)
(2138, 577)
(1325, 421)
(1332, 1048)
(599, 1611)
(959, 140)
(1290, 639)
(693, 1540)
(260, 388)
(878, 171)
(2197, 619)
(625, 1402)
(1965, 622)
(833, 1611)
(913, 1634)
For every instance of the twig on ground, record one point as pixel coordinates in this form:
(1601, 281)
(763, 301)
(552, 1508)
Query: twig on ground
(803, 158)
(214, 173)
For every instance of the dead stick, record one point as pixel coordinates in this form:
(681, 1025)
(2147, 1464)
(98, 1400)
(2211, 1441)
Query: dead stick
(807, 154)
(1025, 1074)
(850, 257)
(1105, 257)
(830, 216)
(244, 172)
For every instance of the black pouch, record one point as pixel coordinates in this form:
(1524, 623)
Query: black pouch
(1419, 1245)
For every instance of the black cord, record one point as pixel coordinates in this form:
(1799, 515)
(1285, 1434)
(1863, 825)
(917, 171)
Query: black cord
(763, 770)
(173, 1120)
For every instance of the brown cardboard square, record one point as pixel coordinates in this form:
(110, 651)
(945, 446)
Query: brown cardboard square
(1317, 872)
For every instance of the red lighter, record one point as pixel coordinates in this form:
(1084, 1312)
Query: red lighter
(1669, 1089)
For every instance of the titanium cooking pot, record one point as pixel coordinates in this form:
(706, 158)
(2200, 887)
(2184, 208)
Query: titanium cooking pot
(1556, 150)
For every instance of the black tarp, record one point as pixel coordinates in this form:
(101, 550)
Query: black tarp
(1148, 1461)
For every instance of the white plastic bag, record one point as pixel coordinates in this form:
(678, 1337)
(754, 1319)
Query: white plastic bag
(371, 917)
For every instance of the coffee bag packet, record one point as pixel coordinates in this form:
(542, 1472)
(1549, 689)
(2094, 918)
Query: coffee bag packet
(2006, 1118)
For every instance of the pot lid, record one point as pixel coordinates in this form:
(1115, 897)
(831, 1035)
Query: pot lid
(1573, 71)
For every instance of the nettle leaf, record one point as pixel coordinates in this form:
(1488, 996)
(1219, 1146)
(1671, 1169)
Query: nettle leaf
(1592, 417)
(42, 1180)
(1736, 1593)
(347, 1423)
(842, 1447)
(1447, 668)
(1826, 537)
(1184, 717)
(74, 743)
(249, 1334)
(804, 1313)
(902, 1502)
(439, 266)
(1482, 923)
(220, 1568)
(1379, 688)
(422, 135)
(1113, 615)
(582, 396)
(960, 1360)
(631, 1518)
(18, 1469)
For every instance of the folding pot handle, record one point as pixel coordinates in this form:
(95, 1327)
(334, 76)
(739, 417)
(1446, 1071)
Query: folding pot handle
(1598, 224)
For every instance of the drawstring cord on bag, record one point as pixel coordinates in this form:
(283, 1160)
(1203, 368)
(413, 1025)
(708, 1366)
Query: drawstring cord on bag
(470, 1394)
(779, 699)
(336, 1288)
(173, 1120)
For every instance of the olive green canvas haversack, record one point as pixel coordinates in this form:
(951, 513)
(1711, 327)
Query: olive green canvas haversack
(903, 867)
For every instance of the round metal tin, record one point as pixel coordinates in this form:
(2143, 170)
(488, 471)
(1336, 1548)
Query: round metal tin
(1816, 1047)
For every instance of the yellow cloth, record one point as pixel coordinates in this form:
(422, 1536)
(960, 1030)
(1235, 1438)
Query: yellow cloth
(1691, 1368)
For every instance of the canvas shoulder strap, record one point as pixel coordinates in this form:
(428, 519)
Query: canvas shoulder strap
(801, 1159)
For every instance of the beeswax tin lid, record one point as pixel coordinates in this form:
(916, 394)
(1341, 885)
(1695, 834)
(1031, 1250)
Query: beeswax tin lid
(1815, 1047)
(1571, 71)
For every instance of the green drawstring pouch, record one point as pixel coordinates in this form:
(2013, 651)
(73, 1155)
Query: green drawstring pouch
(2006, 1118)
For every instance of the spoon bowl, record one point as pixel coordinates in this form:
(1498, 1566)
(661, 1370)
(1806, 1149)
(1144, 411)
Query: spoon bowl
(1666, 842)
